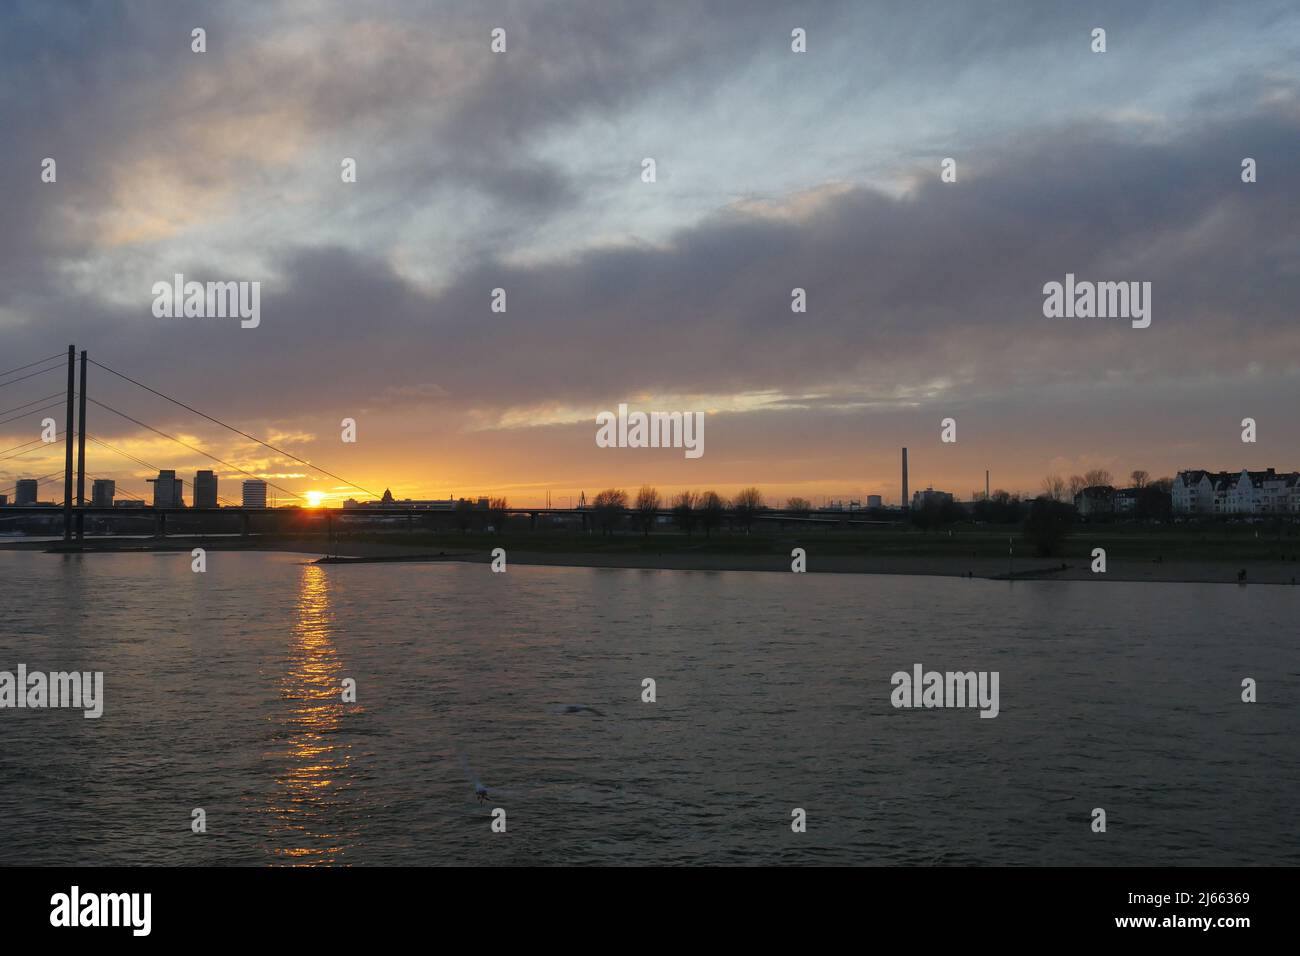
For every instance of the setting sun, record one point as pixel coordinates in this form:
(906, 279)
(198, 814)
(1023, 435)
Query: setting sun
(314, 499)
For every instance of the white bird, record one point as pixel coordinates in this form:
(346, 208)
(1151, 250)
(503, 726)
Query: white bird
(481, 791)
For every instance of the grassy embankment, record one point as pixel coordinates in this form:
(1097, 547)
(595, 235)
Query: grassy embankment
(1165, 543)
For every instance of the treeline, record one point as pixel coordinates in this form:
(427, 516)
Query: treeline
(691, 510)
(1056, 487)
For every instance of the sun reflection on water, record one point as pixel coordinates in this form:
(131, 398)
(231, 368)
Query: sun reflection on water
(310, 807)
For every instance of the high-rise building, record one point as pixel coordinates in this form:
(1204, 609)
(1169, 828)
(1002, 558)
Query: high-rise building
(167, 490)
(205, 490)
(4, 500)
(101, 492)
(25, 492)
(254, 493)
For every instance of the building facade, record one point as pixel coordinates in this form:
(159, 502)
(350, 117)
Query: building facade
(254, 493)
(25, 491)
(102, 491)
(1198, 492)
(417, 504)
(1095, 500)
(929, 496)
(205, 490)
(167, 490)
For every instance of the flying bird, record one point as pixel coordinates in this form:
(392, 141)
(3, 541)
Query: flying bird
(481, 792)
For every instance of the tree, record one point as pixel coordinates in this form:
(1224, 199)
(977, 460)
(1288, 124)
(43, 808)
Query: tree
(1054, 487)
(647, 505)
(937, 513)
(1000, 508)
(609, 506)
(1077, 484)
(1155, 501)
(799, 507)
(747, 506)
(1097, 477)
(464, 514)
(684, 511)
(1140, 478)
(497, 508)
(1048, 524)
(711, 508)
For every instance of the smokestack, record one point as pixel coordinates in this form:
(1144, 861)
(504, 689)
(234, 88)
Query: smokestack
(907, 502)
(986, 484)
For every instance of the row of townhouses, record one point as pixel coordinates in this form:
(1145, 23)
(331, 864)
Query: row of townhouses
(1225, 493)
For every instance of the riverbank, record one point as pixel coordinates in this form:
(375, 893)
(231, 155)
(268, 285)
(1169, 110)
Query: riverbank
(935, 556)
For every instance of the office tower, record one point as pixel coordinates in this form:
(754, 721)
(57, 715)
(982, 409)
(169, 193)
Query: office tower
(254, 493)
(167, 489)
(25, 492)
(101, 492)
(205, 490)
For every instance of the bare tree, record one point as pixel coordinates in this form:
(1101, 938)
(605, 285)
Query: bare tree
(647, 504)
(684, 511)
(1140, 478)
(609, 506)
(1098, 477)
(497, 508)
(1077, 484)
(747, 504)
(798, 506)
(712, 507)
(1054, 487)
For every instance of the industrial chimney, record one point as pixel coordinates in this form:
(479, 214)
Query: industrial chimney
(907, 502)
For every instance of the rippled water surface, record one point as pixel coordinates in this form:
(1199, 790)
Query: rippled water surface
(223, 691)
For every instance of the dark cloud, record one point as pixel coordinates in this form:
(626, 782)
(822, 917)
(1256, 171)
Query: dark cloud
(943, 283)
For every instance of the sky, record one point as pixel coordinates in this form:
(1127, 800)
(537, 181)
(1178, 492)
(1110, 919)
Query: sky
(775, 170)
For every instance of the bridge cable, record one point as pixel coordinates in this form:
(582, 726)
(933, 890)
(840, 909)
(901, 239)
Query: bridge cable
(279, 451)
(23, 378)
(191, 447)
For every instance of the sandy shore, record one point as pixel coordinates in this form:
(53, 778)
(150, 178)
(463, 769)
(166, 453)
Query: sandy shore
(1207, 572)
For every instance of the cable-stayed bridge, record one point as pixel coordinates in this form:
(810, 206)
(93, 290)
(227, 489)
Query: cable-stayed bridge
(73, 399)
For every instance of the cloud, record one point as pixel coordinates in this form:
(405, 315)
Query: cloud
(410, 396)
